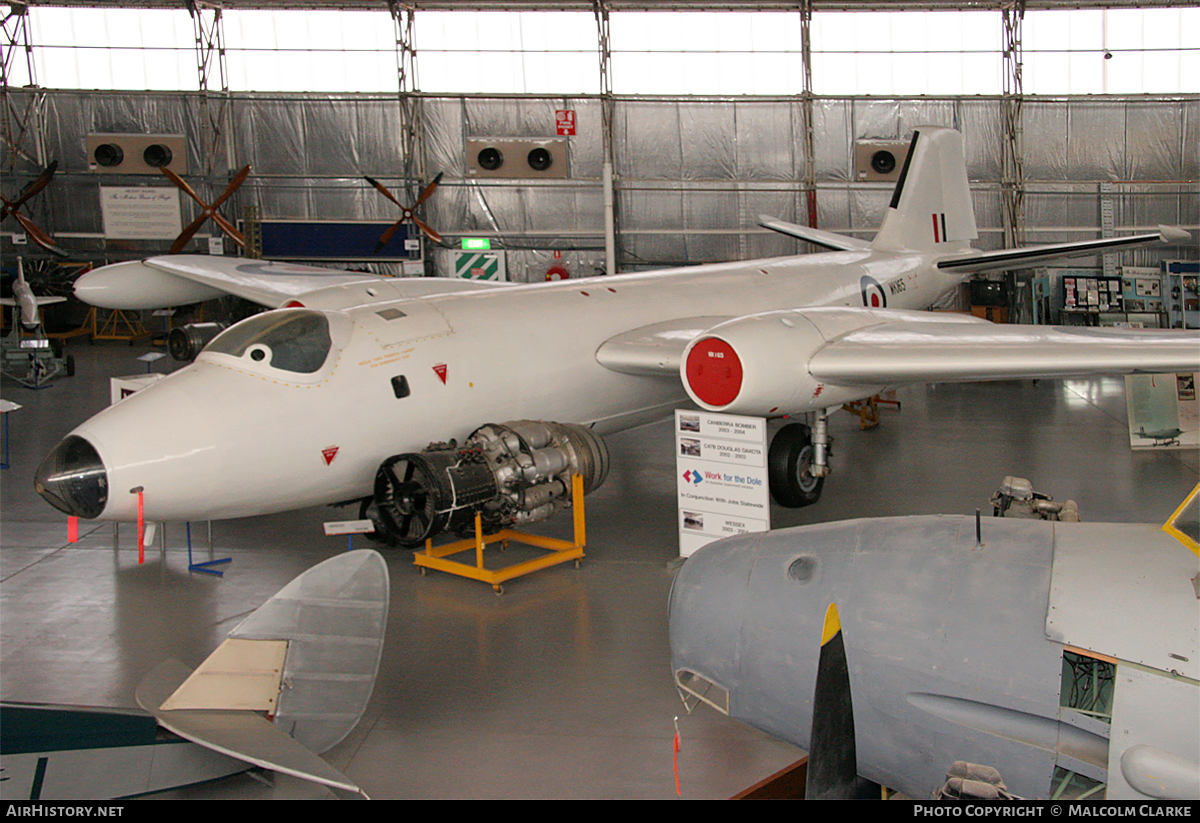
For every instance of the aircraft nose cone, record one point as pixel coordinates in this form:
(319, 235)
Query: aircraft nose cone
(73, 479)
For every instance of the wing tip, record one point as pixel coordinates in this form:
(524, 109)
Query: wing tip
(1174, 234)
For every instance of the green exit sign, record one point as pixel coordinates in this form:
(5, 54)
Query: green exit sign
(476, 244)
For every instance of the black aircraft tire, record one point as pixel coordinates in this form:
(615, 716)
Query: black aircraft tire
(788, 462)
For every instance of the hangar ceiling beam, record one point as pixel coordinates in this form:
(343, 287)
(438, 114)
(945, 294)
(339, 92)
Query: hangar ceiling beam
(407, 88)
(600, 10)
(627, 5)
(1011, 108)
(213, 78)
(20, 123)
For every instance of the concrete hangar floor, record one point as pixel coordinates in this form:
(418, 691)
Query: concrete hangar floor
(561, 687)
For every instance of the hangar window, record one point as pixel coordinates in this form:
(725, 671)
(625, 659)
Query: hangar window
(1073, 51)
(499, 52)
(151, 49)
(295, 340)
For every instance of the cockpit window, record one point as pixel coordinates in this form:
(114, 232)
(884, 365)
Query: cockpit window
(295, 340)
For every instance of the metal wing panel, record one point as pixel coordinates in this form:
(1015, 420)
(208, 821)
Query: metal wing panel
(906, 352)
(274, 284)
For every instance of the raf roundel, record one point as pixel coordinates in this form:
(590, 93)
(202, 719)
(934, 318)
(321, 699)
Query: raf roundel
(873, 295)
(714, 372)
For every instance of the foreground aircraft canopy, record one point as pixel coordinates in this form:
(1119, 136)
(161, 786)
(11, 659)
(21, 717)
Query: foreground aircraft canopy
(289, 683)
(306, 404)
(1047, 648)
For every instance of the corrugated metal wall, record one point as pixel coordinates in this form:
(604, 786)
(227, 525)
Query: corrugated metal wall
(692, 174)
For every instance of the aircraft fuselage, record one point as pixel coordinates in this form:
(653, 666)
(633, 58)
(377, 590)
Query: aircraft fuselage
(232, 436)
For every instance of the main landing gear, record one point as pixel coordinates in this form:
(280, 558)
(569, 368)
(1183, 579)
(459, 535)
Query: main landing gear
(798, 462)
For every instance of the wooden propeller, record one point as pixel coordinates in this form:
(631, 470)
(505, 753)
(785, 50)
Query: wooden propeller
(32, 229)
(207, 211)
(407, 212)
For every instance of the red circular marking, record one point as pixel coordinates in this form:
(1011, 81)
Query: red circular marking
(293, 304)
(874, 300)
(714, 372)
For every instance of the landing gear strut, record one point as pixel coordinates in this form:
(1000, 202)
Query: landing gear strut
(798, 462)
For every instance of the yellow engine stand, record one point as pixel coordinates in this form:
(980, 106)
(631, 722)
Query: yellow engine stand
(561, 551)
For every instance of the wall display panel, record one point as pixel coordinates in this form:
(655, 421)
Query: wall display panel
(647, 141)
(271, 134)
(1157, 149)
(767, 142)
(1097, 144)
(707, 135)
(1046, 157)
(444, 135)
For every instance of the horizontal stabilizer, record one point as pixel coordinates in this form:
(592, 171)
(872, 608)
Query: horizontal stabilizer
(1037, 255)
(307, 658)
(247, 736)
(825, 239)
(903, 352)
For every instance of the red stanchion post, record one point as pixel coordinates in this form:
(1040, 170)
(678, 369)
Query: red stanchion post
(141, 524)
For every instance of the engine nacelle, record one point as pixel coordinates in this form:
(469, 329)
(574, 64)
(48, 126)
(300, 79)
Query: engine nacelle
(185, 342)
(511, 473)
(758, 364)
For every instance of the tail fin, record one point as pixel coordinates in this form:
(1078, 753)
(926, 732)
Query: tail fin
(931, 206)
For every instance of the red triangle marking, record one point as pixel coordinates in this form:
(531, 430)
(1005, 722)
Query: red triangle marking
(440, 371)
(329, 454)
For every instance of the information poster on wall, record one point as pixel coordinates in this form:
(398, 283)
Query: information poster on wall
(721, 477)
(1164, 412)
(140, 212)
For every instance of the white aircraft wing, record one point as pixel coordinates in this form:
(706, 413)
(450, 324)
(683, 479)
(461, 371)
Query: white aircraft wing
(790, 359)
(905, 352)
(40, 301)
(176, 280)
(1036, 255)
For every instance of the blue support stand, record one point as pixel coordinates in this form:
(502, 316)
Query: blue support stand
(204, 566)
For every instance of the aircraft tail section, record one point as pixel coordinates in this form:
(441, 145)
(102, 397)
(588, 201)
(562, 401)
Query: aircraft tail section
(931, 205)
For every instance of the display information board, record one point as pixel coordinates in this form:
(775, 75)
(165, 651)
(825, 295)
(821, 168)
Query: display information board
(721, 477)
(1164, 412)
(140, 212)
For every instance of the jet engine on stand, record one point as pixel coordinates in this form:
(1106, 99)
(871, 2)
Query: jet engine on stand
(512, 473)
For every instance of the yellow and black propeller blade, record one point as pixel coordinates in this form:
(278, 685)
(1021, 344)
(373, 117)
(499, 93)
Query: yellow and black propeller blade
(832, 754)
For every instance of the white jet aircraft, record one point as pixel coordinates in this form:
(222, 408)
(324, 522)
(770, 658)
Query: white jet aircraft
(336, 393)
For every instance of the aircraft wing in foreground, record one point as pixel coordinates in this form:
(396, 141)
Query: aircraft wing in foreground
(1044, 650)
(339, 396)
(289, 683)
